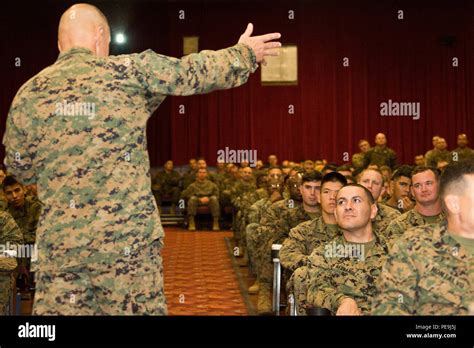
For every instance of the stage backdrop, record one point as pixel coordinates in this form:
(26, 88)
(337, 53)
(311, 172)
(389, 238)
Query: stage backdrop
(407, 59)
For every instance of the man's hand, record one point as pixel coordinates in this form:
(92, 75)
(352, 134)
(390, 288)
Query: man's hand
(204, 200)
(259, 44)
(276, 196)
(407, 203)
(348, 307)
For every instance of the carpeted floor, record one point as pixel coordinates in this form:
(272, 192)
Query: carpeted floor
(200, 277)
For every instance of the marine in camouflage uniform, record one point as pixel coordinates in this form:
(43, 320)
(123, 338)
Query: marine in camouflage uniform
(11, 234)
(295, 252)
(99, 236)
(381, 156)
(198, 190)
(27, 218)
(432, 157)
(408, 220)
(429, 272)
(333, 277)
(167, 183)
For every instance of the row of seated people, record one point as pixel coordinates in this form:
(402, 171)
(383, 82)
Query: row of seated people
(19, 214)
(345, 251)
(232, 181)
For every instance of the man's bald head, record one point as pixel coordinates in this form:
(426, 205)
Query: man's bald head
(84, 25)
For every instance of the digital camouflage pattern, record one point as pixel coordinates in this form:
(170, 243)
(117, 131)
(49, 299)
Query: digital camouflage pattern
(385, 215)
(407, 221)
(381, 156)
(461, 154)
(301, 241)
(92, 168)
(199, 189)
(428, 273)
(166, 183)
(278, 229)
(335, 274)
(27, 218)
(10, 234)
(433, 156)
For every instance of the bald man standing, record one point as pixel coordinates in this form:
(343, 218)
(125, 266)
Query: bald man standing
(380, 154)
(78, 130)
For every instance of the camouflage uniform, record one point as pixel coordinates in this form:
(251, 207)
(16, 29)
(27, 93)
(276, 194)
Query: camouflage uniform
(199, 189)
(238, 191)
(9, 233)
(278, 229)
(381, 156)
(295, 252)
(166, 183)
(252, 234)
(358, 160)
(407, 221)
(242, 219)
(462, 154)
(93, 172)
(433, 156)
(188, 178)
(385, 215)
(334, 277)
(428, 273)
(27, 218)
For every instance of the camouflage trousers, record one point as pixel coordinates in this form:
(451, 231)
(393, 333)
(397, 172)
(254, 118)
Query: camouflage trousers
(298, 286)
(213, 204)
(255, 237)
(172, 191)
(115, 287)
(7, 280)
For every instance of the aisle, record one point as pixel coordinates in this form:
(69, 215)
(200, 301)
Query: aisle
(199, 278)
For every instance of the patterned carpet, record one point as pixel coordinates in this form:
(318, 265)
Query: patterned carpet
(199, 274)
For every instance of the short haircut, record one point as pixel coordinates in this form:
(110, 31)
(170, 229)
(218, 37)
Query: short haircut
(298, 169)
(333, 177)
(202, 169)
(371, 169)
(453, 178)
(10, 180)
(274, 167)
(313, 175)
(382, 168)
(367, 192)
(345, 167)
(330, 167)
(402, 171)
(362, 140)
(421, 169)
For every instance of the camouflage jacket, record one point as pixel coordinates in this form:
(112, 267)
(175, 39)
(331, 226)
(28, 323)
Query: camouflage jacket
(165, 180)
(301, 241)
(240, 189)
(10, 234)
(256, 210)
(380, 156)
(287, 214)
(27, 218)
(205, 188)
(427, 273)
(433, 156)
(385, 215)
(78, 130)
(461, 154)
(406, 221)
(339, 269)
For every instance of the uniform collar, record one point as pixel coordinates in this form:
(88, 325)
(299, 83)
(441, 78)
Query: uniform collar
(75, 51)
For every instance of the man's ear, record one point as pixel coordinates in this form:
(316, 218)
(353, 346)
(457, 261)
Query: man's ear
(452, 204)
(391, 187)
(373, 211)
(382, 192)
(59, 46)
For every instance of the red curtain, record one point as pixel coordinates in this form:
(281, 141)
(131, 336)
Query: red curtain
(403, 60)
